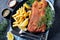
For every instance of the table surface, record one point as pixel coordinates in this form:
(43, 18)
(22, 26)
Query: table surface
(54, 33)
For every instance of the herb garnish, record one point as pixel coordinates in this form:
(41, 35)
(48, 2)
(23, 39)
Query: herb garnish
(30, 2)
(49, 16)
(42, 21)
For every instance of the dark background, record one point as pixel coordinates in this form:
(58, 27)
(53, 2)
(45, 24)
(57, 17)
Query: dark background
(54, 33)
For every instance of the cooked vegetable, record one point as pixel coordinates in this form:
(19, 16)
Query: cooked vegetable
(10, 36)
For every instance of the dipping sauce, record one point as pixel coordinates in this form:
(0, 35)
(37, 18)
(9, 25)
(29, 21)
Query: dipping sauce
(6, 12)
(12, 3)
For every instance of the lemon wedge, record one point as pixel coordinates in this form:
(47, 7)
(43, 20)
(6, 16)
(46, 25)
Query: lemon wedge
(23, 25)
(10, 36)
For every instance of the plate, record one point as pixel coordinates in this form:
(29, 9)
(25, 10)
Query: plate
(28, 35)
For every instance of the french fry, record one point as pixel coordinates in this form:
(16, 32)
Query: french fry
(20, 17)
(29, 12)
(15, 25)
(25, 22)
(15, 22)
(26, 14)
(26, 5)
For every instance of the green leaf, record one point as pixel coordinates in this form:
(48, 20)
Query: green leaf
(3, 25)
(49, 16)
(30, 2)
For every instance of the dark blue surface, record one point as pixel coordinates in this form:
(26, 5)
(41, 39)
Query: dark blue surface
(54, 33)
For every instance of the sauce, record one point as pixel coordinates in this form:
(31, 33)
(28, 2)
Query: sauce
(12, 3)
(6, 13)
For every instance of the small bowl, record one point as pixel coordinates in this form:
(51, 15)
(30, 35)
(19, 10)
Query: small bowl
(6, 13)
(12, 3)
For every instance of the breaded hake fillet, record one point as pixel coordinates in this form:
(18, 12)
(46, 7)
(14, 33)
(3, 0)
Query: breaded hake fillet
(38, 11)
